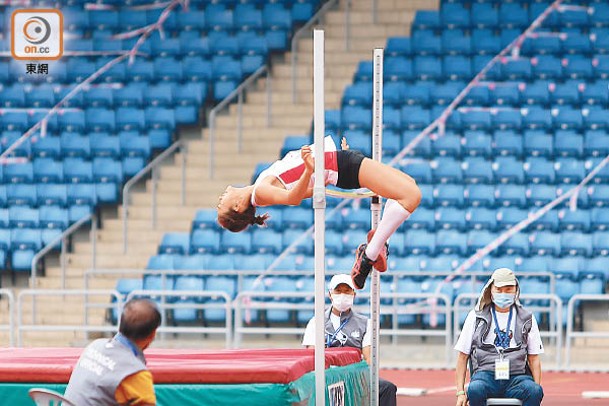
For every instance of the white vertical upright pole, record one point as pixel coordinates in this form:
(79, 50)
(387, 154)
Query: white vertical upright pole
(319, 205)
(375, 208)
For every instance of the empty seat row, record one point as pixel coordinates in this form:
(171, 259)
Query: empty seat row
(88, 194)
(97, 119)
(488, 42)
(503, 170)
(452, 67)
(503, 143)
(136, 94)
(472, 118)
(508, 15)
(212, 17)
(70, 170)
(516, 94)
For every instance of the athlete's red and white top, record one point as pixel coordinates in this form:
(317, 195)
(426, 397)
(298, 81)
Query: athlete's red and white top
(290, 168)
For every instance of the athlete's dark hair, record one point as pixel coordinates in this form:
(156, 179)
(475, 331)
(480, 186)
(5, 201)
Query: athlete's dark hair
(236, 222)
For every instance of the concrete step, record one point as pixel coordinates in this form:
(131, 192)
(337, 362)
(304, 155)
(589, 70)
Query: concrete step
(279, 110)
(52, 280)
(332, 99)
(114, 247)
(306, 71)
(251, 119)
(365, 17)
(141, 230)
(129, 261)
(175, 213)
(392, 5)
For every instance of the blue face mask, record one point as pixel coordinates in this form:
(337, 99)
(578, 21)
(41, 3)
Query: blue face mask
(503, 300)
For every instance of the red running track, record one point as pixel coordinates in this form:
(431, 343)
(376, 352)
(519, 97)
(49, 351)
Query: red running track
(560, 388)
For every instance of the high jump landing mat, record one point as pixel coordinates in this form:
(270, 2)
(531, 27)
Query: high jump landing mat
(265, 377)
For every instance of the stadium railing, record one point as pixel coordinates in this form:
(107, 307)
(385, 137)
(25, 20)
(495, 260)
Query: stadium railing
(85, 327)
(10, 326)
(571, 335)
(238, 93)
(154, 167)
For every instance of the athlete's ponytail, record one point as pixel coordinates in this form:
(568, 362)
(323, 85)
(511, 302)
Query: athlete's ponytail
(236, 222)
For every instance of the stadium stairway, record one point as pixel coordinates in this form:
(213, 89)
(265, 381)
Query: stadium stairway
(260, 143)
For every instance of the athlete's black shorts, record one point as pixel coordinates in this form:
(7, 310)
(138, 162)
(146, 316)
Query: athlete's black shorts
(349, 162)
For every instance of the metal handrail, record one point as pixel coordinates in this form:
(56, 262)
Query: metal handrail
(573, 334)
(10, 327)
(227, 330)
(298, 34)
(555, 325)
(153, 165)
(65, 292)
(238, 92)
(61, 238)
(250, 296)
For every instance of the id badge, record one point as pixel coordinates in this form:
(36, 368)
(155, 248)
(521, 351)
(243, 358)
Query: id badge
(502, 369)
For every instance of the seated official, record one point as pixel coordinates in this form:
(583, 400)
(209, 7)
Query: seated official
(114, 372)
(346, 328)
(502, 338)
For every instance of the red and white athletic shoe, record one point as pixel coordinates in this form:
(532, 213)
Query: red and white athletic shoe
(363, 265)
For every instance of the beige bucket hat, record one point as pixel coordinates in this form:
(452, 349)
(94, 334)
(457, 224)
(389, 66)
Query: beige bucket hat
(501, 277)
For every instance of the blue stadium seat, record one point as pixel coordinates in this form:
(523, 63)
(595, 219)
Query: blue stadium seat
(447, 170)
(175, 243)
(221, 262)
(512, 15)
(539, 170)
(538, 143)
(205, 219)
(427, 68)
(297, 217)
(569, 170)
(574, 243)
(266, 241)
(518, 244)
(539, 194)
(481, 218)
(510, 195)
(427, 20)
(480, 195)
(236, 243)
(398, 68)
(46, 147)
(47, 170)
(507, 143)
(306, 245)
(449, 195)
(545, 243)
(597, 265)
(477, 143)
(52, 194)
(510, 216)
(22, 195)
(508, 170)
(450, 218)
(600, 243)
(478, 239)
(419, 242)
(568, 144)
(484, 42)
(75, 145)
(205, 241)
(22, 217)
(595, 93)
(447, 145)
(599, 218)
(547, 67)
(576, 220)
(422, 218)
(398, 46)
(594, 119)
(536, 93)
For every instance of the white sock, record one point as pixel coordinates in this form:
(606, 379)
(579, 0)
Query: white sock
(393, 216)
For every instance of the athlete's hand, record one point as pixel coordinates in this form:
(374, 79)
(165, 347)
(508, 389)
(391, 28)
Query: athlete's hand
(307, 157)
(462, 400)
(343, 144)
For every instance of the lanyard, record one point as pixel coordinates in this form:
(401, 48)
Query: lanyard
(503, 337)
(127, 343)
(331, 338)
